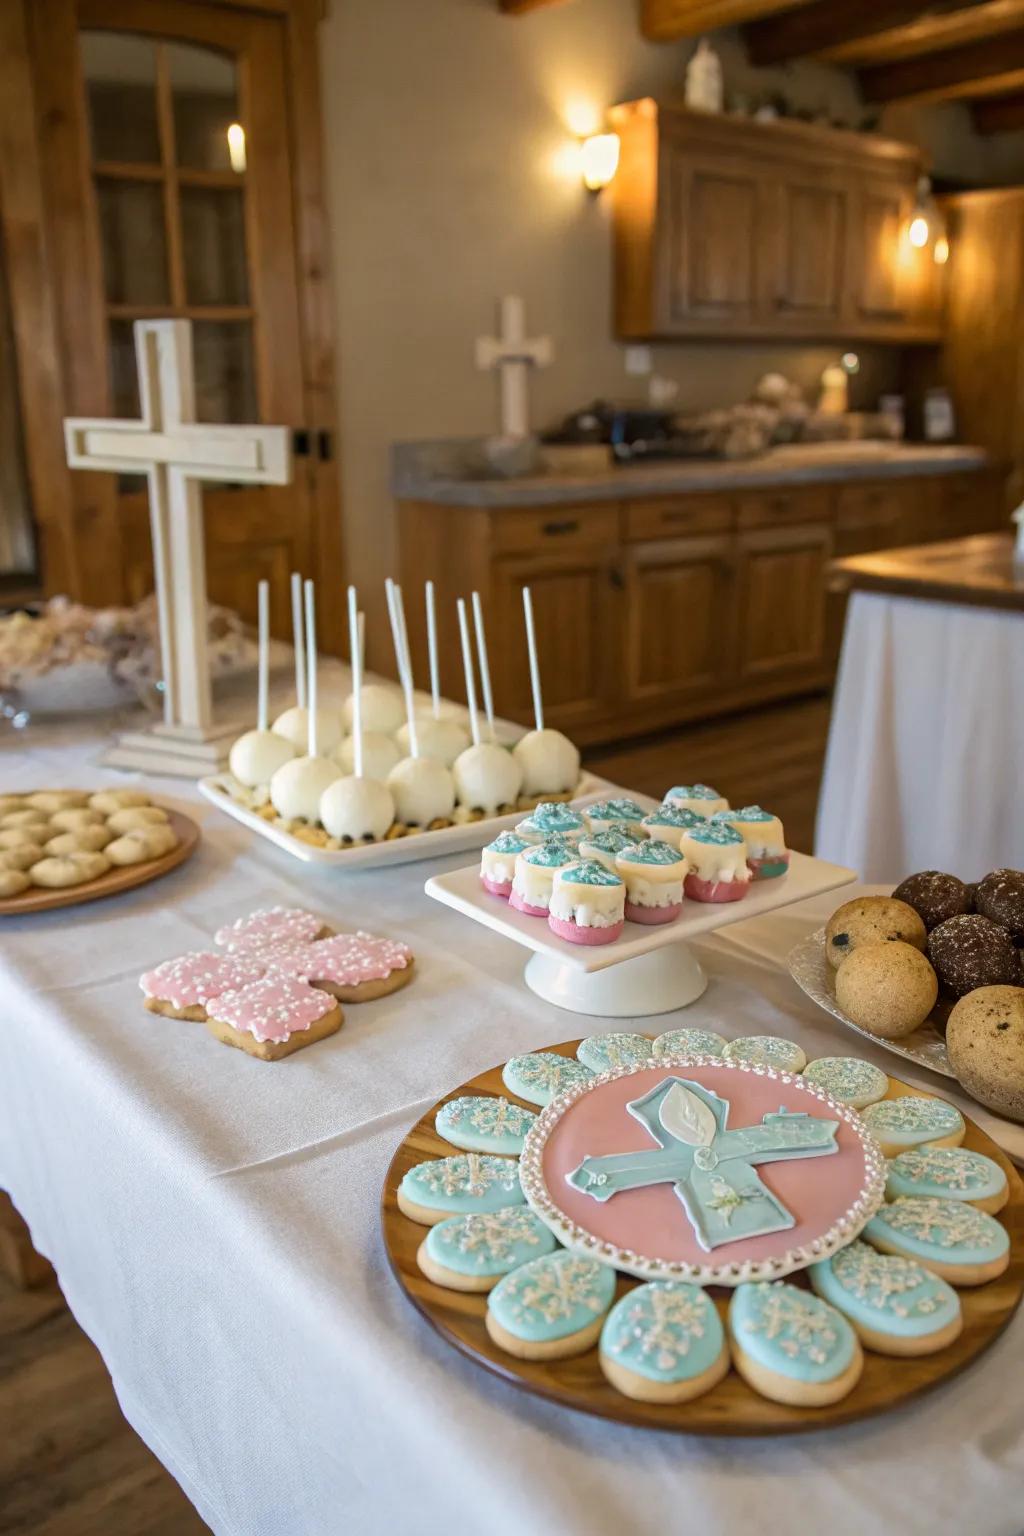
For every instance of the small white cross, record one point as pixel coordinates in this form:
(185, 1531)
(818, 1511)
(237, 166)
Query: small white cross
(515, 354)
(175, 452)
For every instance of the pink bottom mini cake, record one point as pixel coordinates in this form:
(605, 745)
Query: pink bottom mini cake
(587, 904)
(714, 890)
(576, 933)
(502, 889)
(637, 913)
(770, 867)
(522, 905)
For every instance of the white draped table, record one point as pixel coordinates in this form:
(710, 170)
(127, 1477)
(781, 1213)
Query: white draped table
(214, 1223)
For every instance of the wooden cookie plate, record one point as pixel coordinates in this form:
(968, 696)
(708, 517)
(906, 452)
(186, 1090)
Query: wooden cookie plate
(40, 899)
(731, 1408)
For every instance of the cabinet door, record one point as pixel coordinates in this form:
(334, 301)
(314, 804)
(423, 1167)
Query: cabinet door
(782, 578)
(882, 253)
(679, 635)
(879, 515)
(812, 252)
(714, 239)
(576, 607)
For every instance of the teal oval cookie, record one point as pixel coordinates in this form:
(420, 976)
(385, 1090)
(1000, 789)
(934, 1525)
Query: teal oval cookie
(612, 1052)
(665, 1331)
(944, 1173)
(552, 1297)
(911, 1121)
(481, 1124)
(489, 1243)
(939, 1231)
(541, 1075)
(469, 1182)
(886, 1293)
(688, 1042)
(791, 1332)
(766, 1051)
(848, 1079)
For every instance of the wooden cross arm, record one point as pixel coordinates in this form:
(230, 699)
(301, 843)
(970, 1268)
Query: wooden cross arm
(250, 455)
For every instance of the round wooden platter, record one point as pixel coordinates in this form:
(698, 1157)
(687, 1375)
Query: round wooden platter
(731, 1408)
(39, 899)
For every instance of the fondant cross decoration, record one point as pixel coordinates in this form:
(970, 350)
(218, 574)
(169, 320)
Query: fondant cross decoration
(713, 1168)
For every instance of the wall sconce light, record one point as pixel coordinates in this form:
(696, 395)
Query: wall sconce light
(925, 216)
(941, 251)
(236, 148)
(599, 160)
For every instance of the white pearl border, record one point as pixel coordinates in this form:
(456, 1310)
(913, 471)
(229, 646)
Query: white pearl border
(579, 1240)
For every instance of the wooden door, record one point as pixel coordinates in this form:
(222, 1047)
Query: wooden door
(782, 579)
(812, 223)
(678, 636)
(714, 238)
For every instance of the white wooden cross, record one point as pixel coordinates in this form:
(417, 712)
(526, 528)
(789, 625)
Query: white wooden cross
(175, 452)
(515, 354)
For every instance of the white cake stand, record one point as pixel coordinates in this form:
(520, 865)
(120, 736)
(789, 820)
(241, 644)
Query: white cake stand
(648, 970)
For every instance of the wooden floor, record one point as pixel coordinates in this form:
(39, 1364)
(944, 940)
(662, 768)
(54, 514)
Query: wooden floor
(69, 1463)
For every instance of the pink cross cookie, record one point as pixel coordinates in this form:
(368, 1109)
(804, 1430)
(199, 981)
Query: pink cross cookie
(190, 981)
(273, 1008)
(345, 960)
(270, 925)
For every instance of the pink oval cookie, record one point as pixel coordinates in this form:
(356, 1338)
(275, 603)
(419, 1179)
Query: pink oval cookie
(345, 960)
(270, 925)
(273, 1008)
(190, 980)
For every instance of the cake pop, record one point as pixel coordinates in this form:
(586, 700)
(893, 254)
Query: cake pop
(487, 778)
(358, 807)
(422, 787)
(297, 786)
(256, 756)
(293, 724)
(382, 709)
(549, 761)
(380, 755)
(440, 733)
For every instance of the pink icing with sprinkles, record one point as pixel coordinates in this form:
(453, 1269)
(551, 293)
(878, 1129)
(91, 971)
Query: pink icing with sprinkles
(273, 1008)
(349, 958)
(271, 925)
(191, 980)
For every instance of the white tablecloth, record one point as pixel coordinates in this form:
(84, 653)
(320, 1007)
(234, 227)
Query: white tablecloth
(214, 1222)
(926, 750)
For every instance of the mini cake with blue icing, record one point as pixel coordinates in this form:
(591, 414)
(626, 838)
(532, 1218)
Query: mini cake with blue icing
(534, 875)
(622, 813)
(653, 873)
(478, 1123)
(605, 846)
(612, 1052)
(767, 854)
(664, 1343)
(550, 1308)
(540, 1076)
(455, 1186)
(791, 1346)
(472, 1253)
(848, 1079)
(696, 797)
(717, 859)
(552, 818)
(688, 1042)
(766, 1051)
(948, 1173)
(498, 863)
(952, 1239)
(587, 904)
(669, 822)
(914, 1120)
(895, 1305)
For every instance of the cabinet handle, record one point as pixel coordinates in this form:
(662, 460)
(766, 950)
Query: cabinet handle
(563, 525)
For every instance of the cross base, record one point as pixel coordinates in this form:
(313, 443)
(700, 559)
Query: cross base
(177, 751)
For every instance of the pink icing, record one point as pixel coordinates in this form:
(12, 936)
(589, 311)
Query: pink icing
(273, 1008)
(651, 1221)
(638, 913)
(502, 888)
(714, 890)
(191, 980)
(579, 933)
(345, 960)
(271, 925)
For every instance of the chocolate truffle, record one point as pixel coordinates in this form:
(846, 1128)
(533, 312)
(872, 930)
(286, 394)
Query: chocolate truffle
(933, 896)
(1000, 896)
(970, 951)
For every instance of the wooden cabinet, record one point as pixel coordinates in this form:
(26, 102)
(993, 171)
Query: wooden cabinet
(728, 227)
(781, 583)
(677, 637)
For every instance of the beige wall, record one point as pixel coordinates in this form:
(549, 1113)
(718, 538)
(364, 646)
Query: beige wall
(446, 138)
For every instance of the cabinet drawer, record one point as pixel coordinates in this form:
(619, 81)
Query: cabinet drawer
(771, 508)
(523, 531)
(659, 517)
(875, 516)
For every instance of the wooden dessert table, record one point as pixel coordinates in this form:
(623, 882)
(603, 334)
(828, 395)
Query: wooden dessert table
(927, 737)
(214, 1222)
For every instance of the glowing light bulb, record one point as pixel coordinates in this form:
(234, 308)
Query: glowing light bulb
(236, 147)
(918, 231)
(941, 252)
(599, 160)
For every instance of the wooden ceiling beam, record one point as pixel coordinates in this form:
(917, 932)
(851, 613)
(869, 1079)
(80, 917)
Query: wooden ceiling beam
(990, 67)
(939, 29)
(829, 24)
(1000, 114)
(665, 20)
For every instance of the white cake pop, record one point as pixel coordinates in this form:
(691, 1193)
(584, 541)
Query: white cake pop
(422, 786)
(357, 808)
(379, 755)
(297, 786)
(487, 777)
(293, 726)
(383, 709)
(442, 740)
(256, 756)
(550, 763)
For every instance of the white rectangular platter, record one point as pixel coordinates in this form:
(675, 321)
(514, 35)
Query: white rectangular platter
(462, 890)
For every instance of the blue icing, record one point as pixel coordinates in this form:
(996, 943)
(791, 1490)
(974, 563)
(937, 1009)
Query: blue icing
(550, 855)
(665, 1331)
(489, 1242)
(612, 841)
(612, 1052)
(885, 1292)
(847, 1078)
(552, 1297)
(791, 1332)
(481, 1124)
(541, 1075)
(718, 833)
(766, 1051)
(469, 1182)
(747, 813)
(588, 872)
(553, 816)
(944, 1173)
(689, 1042)
(692, 792)
(507, 842)
(674, 816)
(652, 852)
(911, 1119)
(939, 1231)
(615, 810)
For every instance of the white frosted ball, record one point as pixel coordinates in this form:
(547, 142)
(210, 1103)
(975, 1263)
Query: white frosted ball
(256, 757)
(423, 791)
(379, 755)
(550, 763)
(383, 709)
(486, 778)
(294, 726)
(440, 739)
(357, 810)
(296, 787)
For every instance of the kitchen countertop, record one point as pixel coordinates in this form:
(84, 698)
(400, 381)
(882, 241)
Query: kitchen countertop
(978, 571)
(439, 472)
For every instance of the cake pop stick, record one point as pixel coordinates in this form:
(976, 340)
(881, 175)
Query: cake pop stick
(311, 745)
(300, 649)
(394, 596)
(435, 686)
(355, 646)
(263, 655)
(467, 667)
(485, 671)
(531, 645)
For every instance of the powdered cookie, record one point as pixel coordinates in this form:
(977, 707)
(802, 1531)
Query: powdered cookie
(110, 800)
(137, 816)
(273, 1017)
(25, 819)
(50, 800)
(181, 988)
(13, 882)
(21, 857)
(84, 840)
(472, 1253)
(67, 869)
(140, 846)
(70, 819)
(22, 837)
(11, 803)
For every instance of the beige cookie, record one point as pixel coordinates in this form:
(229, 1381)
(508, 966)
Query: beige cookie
(50, 800)
(871, 920)
(275, 1050)
(136, 816)
(888, 989)
(74, 817)
(12, 883)
(22, 857)
(66, 869)
(83, 840)
(985, 1045)
(11, 803)
(17, 837)
(142, 844)
(110, 800)
(24, 818)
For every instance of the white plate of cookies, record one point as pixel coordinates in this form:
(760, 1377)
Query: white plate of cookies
(59, 847)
